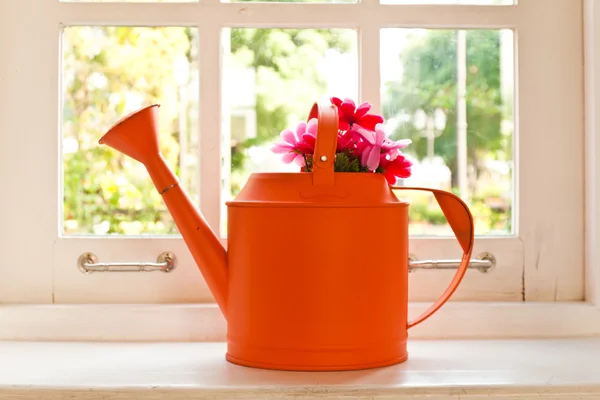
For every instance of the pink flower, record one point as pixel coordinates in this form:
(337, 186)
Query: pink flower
(295, 145)
(371, 148)
(392, 148)
(349, 114)
(309, 137)
(376, 143)
(399, 167)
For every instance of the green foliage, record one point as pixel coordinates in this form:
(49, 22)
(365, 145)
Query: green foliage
(344, 162)
(348, 163)
(105, 68)
(108, 69)
(426, 212)
(287, 78)
(429, 82)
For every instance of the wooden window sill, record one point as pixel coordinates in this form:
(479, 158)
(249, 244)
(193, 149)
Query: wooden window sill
(510, 369)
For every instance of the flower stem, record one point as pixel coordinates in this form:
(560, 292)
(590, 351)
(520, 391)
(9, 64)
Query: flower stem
(306, 163)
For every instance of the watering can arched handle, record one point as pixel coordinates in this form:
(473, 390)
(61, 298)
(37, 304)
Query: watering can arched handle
(325, 144)
(460, 219)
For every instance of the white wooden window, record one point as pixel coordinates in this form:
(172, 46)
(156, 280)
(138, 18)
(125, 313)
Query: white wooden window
(540, 257)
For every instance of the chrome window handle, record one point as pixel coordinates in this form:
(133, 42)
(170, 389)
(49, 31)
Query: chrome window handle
(166, 262)
(88, 262)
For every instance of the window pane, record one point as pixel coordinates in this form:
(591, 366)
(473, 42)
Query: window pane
(109, 72)
(464, 146)
(271, 79)
(454, 2)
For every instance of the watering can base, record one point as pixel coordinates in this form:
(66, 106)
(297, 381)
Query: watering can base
(316, 368)
(349, 359)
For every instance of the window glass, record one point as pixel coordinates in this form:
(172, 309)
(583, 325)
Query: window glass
(271, 78)
(451, 93)
(108, 72)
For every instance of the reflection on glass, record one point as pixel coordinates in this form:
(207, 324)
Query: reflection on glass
(109, 72)
(451, 92)
(271, 78)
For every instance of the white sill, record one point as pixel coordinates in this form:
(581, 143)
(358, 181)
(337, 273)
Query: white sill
(205, 323)
(511, 369)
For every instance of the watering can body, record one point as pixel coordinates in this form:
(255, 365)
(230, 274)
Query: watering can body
(317, 282)
(315, 275)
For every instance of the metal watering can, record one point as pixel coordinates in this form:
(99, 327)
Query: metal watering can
(337, 299)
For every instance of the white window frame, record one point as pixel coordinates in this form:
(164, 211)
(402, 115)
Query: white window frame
(41, 287)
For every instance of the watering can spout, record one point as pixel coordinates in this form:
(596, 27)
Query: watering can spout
(136, 136)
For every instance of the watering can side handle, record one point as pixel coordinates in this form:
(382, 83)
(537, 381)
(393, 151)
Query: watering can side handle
(461, 221)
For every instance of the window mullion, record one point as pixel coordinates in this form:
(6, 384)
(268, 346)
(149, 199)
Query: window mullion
(289, 15)
(210, 122)
(369, 62)
(550, 131)
(29, 148)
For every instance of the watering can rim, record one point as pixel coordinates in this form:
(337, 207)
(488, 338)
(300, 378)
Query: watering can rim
(126, 118)
(301, 204)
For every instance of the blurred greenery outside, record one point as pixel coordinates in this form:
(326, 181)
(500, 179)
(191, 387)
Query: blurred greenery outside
(111, 71)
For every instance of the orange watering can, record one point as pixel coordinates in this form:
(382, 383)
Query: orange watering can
(301, 285)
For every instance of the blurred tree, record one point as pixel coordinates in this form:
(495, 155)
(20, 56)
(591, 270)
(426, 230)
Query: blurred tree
(429, 82)
(109, 72)
(287, 79)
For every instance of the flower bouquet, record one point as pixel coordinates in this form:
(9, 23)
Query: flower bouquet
(362, 144)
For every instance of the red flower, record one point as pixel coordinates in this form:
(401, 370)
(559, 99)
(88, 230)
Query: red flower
(349, 114)
(399, 167)
(347, 141)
